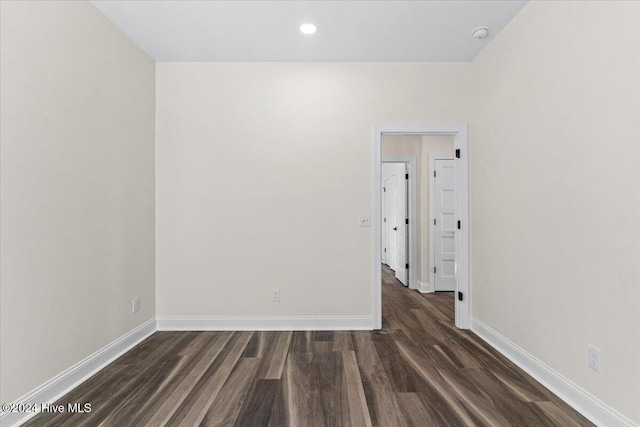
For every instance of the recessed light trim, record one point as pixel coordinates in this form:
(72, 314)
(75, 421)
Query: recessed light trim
(308, 28)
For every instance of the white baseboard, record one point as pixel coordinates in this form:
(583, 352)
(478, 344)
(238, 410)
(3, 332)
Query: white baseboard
(582, 401)
(266, 323)
(424, 288)
(67, 380)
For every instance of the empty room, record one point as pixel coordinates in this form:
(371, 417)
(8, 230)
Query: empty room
(319, 213)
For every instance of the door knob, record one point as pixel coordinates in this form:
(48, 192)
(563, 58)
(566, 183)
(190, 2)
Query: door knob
(395, 228)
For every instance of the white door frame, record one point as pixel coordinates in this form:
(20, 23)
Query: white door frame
(411, 161)
(461, 142)
(383, 228)
(432, 186)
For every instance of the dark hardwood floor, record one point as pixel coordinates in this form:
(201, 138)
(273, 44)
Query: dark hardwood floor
(418, 371)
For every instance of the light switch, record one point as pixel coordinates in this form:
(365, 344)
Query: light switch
(365, 221)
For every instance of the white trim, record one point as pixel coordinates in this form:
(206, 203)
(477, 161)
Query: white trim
(383, 232)
(412, 162)
(432, 184)
(579, 399)
(264, 323)
(424, 288)
(461, 141)
(463, 281)
(70, 378)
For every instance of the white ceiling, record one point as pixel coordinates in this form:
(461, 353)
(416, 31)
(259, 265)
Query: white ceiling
(186, 30)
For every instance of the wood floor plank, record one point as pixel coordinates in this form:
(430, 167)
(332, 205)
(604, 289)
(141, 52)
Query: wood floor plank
(321, 346)
(145, 392)
(257, 407)
(280, 410)
(416, 413)
(448, 355)
(358, 409)
(430, 325)
(342, 341)
(329, 381)
(114, 394)
(225, 408)
(162, 409)
(440, 389)
(301, 342)
(383, 407)
(148, 401)
(322, 335)
(491, 400)
(524, 388)
(400, 374)
(197, 403)
(278, 356)
(199, 340)
(152, 347)
(157, 366)
(257, 344)
(316, 396)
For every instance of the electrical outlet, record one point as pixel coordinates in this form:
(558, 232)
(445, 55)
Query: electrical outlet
(275, 295)
(594, 358)
(135, 304)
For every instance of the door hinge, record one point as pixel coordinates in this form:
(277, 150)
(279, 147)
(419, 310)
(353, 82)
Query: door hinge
(434, 270)
(384, 189)
(406, 266)
(460, 298)
(434, 221)
(458, 153)
(458, 225)
(406, 221)
(385, 220)
(406, 176)
(385, 249)
(434, 174)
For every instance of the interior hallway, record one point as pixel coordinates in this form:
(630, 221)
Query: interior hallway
(418, 371)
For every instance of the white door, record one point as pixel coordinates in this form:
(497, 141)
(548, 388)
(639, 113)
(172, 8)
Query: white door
(392, 210)
(401, 224)
(444, 199)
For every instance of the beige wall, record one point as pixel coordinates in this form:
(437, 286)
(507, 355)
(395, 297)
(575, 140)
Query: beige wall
(77, 188)
(555, 190)
(420, 147)
(296, 138)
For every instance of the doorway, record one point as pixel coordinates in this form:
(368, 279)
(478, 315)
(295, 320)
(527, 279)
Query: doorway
(460, 265)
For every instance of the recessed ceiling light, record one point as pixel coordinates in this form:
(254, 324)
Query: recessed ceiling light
(308, 28)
